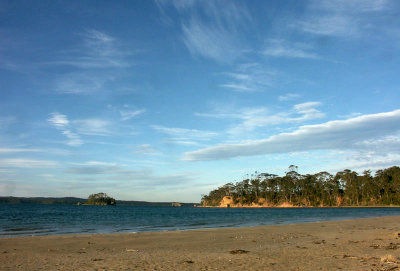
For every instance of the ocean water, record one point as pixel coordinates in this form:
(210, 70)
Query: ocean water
(36, 219)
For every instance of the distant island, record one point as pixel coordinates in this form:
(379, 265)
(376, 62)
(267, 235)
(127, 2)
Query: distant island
(100, 199)
(345, 189)
(81, 201)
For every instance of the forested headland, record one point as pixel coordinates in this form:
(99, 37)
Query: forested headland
(345, 188)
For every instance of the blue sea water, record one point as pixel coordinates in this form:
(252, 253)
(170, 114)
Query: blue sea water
(36, 219)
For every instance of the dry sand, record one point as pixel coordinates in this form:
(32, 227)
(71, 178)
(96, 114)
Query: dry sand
(363, 244)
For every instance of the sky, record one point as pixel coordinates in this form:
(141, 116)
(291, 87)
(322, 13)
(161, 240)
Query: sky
(166, 100)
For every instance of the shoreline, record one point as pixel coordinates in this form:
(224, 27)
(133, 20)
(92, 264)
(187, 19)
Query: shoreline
(290, 217)
(221, 228)
(358, 244)
(296, 206)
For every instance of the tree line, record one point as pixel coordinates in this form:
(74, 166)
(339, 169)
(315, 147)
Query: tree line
(346, 188)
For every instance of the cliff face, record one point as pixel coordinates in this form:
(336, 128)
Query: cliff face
(231, 202)
(228, 202)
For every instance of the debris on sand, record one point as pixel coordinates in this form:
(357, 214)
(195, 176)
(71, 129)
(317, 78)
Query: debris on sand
(375, 246)
(238, 251)
(349, 256)
(388, 259)
(392, 246)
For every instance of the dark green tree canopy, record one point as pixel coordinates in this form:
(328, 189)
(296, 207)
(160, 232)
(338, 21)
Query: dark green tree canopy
(100, 199)
(346, 188)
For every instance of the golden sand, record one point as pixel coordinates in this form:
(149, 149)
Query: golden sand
(363, 244)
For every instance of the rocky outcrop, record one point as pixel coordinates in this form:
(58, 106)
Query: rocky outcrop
(286, 205)
(227, 202)
(176, 204)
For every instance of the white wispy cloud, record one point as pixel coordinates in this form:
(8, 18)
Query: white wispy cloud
(361, 160)
(249, 77)
(180, 5)
(17, 150)
(338, 134)
(5, 121)
(281, 48)
(185, 136)
(148, 178)
(129, 114)
(147, 149)
(351, 115)
(210, 41)
(74, 139)
(96, 61)
(93, 126)
(339, 18)
(62, 123)
(58, 120)
(126, 111)
(289, 96)
(98, 163)
(139, 177)
(96, 50)
(256, 117)
(94, 168)
(253, 119)
(9, 150)
(210, 29)
(353, 6)
(336, 25)
(86, 82)
(27, 163)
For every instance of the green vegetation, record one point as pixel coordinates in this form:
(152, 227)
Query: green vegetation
(100, 199)
(346, 188)
(75, 201)
(40, 200)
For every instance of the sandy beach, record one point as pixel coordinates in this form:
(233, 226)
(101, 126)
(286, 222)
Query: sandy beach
(362, 244)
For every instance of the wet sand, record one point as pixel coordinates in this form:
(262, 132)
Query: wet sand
(362, 244)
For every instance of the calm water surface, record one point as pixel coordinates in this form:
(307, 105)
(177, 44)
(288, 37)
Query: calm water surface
(36, 219)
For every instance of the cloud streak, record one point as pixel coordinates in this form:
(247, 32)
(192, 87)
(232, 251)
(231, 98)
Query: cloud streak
(280, 48)
(140, 177)
(17, 150)
(256, 117)
(94, 63)
(339, 18)
(62, 123)
(93, 126)
(129, 114)
(34, 150)
(97, 50)
(27, 163)
(210, 29)
(184, 136)
(146, 149)
(209, 41)
(288, 97)
(249, 77)
(338, 134)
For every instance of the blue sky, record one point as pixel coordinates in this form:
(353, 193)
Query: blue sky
(166, 100)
